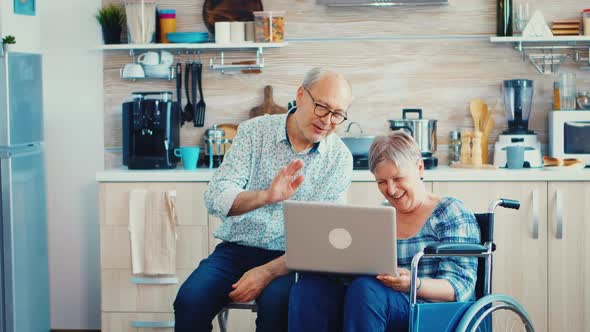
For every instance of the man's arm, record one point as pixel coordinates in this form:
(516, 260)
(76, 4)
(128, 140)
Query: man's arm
(282, 187)
(255, 280)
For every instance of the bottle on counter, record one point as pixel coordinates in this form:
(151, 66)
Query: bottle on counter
(504, 18)
(465, 147)
(454, 147)
(556, 96)
(476, 158)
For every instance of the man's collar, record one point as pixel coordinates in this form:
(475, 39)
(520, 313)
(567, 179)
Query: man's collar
(281, 135)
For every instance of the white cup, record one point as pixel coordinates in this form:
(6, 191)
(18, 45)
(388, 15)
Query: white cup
(166, 58)
(222, 32)
(149, 58)
(237, 32)
(133, 70)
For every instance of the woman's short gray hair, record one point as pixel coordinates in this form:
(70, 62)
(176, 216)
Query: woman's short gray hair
(397, 147)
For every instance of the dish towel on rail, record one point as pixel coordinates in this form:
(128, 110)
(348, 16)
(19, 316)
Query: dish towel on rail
(152, 228)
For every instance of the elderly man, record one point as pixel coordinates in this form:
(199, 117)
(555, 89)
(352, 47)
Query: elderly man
(273, 158)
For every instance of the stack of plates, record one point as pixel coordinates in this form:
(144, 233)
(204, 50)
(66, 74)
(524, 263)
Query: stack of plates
(188, 37)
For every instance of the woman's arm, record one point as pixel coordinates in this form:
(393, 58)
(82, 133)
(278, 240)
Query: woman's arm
(433, 290)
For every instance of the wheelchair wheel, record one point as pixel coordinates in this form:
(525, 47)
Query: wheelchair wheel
(495, 313)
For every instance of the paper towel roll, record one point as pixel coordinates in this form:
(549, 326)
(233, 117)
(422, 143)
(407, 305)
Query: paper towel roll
(237, 32)
(249, 27)
(222, 32)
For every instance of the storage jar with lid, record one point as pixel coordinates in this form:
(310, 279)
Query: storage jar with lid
(269, 26)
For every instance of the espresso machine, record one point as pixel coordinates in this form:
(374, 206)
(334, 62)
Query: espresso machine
(518, 101)
(151, 128)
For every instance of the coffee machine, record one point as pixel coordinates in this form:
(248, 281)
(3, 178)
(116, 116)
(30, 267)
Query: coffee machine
(151, 128)
(518, 100)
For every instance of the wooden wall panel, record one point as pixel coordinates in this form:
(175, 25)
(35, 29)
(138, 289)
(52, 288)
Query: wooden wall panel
(438, 73)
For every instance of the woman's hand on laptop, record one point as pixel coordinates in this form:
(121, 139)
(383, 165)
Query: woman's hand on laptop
(251, 284)
(400, 283)
(285, 184)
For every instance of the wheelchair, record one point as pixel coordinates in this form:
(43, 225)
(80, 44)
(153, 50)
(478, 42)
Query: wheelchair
(471, 316)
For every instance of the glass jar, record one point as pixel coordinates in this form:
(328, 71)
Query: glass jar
(454, 147)
(269, 27)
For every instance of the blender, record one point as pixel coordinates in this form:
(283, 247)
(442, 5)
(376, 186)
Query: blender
(518, 100)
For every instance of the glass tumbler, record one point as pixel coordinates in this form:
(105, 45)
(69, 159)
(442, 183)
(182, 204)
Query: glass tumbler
(567, 83)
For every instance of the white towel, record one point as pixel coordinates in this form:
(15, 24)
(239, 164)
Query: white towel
(152, 227)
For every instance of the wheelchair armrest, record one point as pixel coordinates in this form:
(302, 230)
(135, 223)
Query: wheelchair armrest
(455, 249)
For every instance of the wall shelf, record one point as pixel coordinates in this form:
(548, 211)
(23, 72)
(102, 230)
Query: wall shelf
(548, 53)
(258, 48)
(189, 47)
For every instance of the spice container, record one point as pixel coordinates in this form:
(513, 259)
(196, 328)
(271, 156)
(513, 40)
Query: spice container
(167, 23)
(269, 26)
(586, 21)
(454, 147)
(556, 96)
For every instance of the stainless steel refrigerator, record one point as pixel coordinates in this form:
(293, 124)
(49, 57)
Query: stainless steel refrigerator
(24, 275)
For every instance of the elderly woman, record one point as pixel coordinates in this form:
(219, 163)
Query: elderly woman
(381, 303)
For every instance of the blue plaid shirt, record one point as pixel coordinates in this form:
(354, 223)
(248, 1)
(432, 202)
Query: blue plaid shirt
(259, 151)
(451, 221)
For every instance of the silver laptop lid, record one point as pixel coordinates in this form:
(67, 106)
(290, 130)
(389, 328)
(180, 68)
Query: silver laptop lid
(335, 238)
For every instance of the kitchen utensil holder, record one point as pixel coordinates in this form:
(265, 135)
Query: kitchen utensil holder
(222, 66)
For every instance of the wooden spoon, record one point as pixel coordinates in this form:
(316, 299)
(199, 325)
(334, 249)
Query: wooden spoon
(476, 108)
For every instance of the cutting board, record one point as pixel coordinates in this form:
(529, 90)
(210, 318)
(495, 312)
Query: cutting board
(268, 105)
(228, 11)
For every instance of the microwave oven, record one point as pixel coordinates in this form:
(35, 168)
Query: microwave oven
(569, 135)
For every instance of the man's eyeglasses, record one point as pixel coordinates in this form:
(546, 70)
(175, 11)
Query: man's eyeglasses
(322, 111)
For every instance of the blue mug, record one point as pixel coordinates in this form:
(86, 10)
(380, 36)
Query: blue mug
(189, 155)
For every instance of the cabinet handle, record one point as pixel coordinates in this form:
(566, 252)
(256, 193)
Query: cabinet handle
(154, 281)
(152, 325)
(535, 205)
(558, 215)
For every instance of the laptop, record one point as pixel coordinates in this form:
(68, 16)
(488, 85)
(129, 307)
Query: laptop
(343, 239)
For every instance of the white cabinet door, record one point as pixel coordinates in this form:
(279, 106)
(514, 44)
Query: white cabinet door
(520, 261)
(569, 256)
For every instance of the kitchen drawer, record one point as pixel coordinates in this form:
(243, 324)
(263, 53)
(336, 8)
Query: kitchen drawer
(131, 322)
(115, 247)
(239, 321)
(190, 205)
(141, 294)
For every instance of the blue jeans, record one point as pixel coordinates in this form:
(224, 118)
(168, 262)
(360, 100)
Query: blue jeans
(205, 292)
(324, 303)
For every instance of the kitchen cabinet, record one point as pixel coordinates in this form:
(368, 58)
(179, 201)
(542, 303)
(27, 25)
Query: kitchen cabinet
(132, 303)
(569, 256)
(541, 258)
(520, 261)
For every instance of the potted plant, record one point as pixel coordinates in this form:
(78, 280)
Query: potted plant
(6, 41)
(111, 19)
